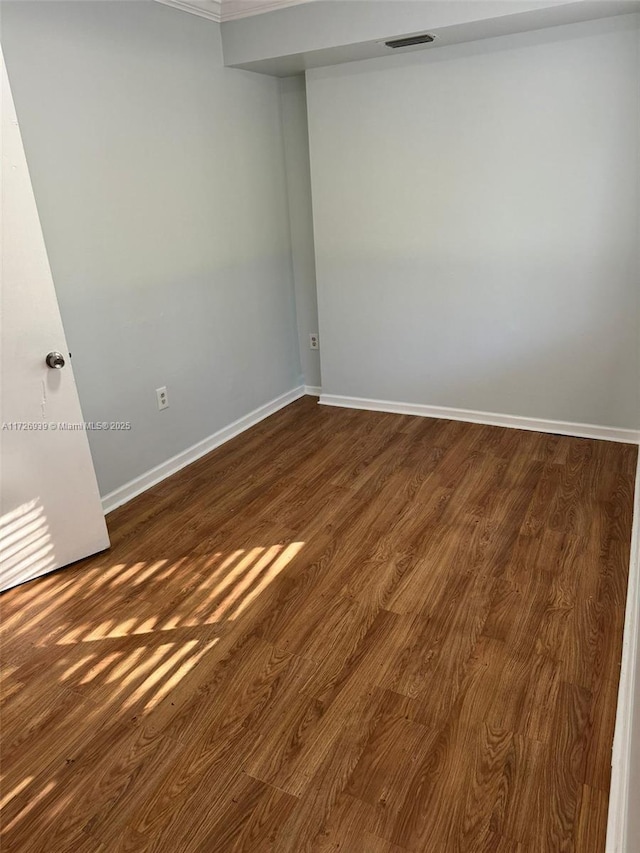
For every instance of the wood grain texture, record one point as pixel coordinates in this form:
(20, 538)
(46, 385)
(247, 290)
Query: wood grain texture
(341, 631)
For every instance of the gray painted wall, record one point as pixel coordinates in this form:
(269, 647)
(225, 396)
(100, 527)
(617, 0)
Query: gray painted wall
(476, 221)
(296, 144)
(159, 178)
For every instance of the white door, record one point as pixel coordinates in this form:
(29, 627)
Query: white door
(50, 511)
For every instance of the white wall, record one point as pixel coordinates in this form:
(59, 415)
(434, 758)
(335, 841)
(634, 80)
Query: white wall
(476, 221)
(296, 145)
(159, 178)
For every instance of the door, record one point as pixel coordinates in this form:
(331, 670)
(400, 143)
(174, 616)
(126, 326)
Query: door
(50, 511)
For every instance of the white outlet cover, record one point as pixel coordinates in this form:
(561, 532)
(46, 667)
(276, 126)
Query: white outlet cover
(162, 397)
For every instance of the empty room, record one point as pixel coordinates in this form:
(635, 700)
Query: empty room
(320, 363)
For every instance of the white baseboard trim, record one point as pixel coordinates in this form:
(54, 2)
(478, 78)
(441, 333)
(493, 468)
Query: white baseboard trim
(619, 795)
(313, 390)
(627, 436)
(140, 484)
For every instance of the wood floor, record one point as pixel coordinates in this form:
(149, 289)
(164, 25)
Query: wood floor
(342, 631)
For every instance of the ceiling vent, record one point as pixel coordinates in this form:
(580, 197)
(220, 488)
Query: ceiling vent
(410, 41)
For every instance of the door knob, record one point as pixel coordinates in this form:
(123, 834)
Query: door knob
(55, 360)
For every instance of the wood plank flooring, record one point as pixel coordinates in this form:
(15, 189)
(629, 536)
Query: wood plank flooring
(342, 631)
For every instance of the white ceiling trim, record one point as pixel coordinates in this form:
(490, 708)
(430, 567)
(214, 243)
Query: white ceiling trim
(211, 9)
(230, 10)
(234, 9)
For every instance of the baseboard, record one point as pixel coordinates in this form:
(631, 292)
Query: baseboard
(627, 436)
(313, 390)
(140, 484)
(619, 795)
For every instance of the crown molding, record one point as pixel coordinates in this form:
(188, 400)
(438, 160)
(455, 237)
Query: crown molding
(211, 9)
(230, 10)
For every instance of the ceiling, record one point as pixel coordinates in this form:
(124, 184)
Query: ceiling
(230, 10)
(307, 34)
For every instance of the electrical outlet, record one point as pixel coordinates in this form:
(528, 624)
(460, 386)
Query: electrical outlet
(314, 341)
(163, 398)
